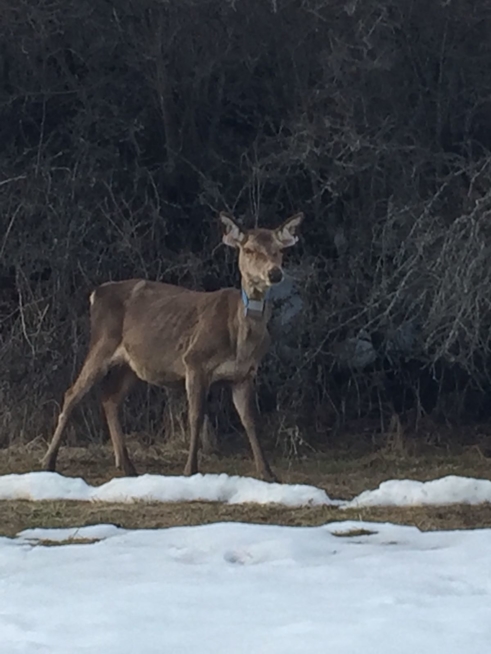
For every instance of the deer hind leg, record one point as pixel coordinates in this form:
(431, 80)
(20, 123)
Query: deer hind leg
(243, 398)
(95, 365)
(115, 386)
(196, 391)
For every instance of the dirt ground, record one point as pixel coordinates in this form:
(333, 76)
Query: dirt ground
(340, 475)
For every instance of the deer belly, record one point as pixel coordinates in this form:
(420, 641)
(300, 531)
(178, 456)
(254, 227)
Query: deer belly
(156, 376)
(153, 370)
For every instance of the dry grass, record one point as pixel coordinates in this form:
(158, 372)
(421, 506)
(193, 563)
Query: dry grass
(48, 542)
(353, 533)
(340, 476)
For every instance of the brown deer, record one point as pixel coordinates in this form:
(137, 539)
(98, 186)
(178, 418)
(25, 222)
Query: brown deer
(165, 334)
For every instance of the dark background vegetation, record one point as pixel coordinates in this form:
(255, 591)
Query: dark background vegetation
(126, 126)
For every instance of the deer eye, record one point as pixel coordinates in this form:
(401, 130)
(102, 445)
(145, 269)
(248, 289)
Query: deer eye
(248, 251)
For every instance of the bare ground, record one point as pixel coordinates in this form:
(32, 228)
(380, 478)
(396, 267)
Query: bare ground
(340, 475)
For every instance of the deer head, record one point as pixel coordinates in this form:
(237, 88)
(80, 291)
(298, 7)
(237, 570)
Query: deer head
(260, 252)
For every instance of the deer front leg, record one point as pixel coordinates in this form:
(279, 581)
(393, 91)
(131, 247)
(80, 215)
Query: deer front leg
(243, 398)
(196, 389)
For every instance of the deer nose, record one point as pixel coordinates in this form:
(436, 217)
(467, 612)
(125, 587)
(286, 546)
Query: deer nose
(275, 275)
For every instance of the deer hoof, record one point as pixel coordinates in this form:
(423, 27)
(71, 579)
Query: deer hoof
(269, 475)
(128, 469)
(48, 464)
(190, 470)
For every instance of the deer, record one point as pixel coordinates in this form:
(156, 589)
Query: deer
(164, 335)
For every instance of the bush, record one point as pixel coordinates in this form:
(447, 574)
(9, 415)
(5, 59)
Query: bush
(126, 127)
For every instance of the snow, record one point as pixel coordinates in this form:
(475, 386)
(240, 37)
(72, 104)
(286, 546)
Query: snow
(237, 490)
(407, 492)
(229, 587)
(240, 588)
(158, 488)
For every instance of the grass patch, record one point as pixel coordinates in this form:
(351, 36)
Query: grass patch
(353, 533)
(16, 516)
(49, 542)
(341, 476)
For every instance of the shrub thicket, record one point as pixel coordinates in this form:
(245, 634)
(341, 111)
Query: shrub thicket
(126, 126)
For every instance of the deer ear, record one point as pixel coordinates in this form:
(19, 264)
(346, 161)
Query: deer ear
(287, 233)
(233, 235)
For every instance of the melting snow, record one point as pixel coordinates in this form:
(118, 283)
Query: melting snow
(236, 490)
(158, 488)
(239, 588)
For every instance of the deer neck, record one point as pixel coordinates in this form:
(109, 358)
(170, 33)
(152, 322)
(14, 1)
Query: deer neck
(254, 303)
(253, 315)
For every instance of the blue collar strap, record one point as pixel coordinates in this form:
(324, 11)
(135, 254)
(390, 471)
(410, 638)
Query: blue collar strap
(254, 306)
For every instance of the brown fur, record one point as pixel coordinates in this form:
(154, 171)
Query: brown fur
(164, 334)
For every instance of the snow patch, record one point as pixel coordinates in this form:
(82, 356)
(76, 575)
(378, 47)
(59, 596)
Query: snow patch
(231, 587)
(407, 492)
(223, 488)
(158, 488)
(91, 532)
